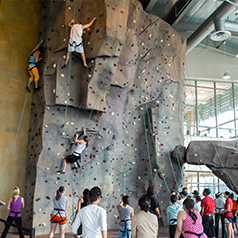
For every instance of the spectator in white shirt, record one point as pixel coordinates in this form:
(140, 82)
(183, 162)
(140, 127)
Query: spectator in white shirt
(92, 217)
(184, 195)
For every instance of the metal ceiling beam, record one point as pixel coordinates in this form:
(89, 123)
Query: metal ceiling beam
(208, 25)
(185, 10)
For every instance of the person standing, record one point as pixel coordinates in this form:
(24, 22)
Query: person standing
(189, 221)
(154, 201)
(219, 206)
(126, 213)
(15, 204)
(197, 205)
(184, 195)
(92, 217)
(207, 210)
(58, 215)
(195, 194)
(144, 224)
(172, 214)
(228, 215)
(83, 202)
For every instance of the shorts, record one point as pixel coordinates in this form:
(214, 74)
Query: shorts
(72, 158)
(73, 46)
(57, 219)
(235, 220)
(228, 220)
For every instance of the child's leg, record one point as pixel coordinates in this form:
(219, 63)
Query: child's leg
(84, 59)
(64, 165)
(31, 75)
(67, 57)
(36, 75)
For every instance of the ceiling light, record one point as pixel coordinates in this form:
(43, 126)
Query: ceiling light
(226, 75)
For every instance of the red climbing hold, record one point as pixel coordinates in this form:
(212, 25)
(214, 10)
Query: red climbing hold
(100, 37)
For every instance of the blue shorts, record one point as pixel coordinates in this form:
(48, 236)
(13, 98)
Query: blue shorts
(228, 220)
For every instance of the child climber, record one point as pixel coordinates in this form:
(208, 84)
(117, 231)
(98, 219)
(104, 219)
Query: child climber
(32, 69)
(73, 158)
(76, 41)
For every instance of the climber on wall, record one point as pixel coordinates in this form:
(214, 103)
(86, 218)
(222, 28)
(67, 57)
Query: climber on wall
(36, 55)
(76, 41)
(73, 158)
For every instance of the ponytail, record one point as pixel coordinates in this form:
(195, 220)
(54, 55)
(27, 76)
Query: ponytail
(16, 193)
(192, 215)
(59, 192)
(85, 138)
(189, 204)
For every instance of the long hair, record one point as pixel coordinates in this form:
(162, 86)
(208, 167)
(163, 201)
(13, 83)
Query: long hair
(126, 200)
(144, 203)
(86, 197)
(16, 193)
(189, 204)
(59, 192)
(85, 138)
(151, 190)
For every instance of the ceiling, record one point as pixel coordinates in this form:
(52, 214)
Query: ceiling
(194, 19)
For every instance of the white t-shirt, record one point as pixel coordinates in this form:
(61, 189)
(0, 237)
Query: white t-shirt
(94, 221)
(76, 33)
(80, 148)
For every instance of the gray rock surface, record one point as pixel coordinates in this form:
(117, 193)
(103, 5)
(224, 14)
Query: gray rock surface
(219, 156)
(131, 103)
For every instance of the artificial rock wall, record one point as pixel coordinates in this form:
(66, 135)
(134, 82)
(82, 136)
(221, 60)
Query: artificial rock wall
(131, 102)
(219, 156)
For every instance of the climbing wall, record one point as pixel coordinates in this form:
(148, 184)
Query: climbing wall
(131, 102)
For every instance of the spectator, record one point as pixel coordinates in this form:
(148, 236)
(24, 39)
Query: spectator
(234, 207)
(184, 195)
(228, 215)
(207, 210)
(195, 194)
(83, 202)
(154, 201)
(172, 213)
(15, 204)
(236, 218)
(92, 217)
(126, 213)
(144, 224)
(197, 205)
(189, 221)
(58, 215)
(219, 206)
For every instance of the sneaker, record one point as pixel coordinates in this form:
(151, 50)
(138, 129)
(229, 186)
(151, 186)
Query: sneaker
(37, 88)
(60, 172)
(64, 66)
(86, 66)
(28, 89)
(74, 168)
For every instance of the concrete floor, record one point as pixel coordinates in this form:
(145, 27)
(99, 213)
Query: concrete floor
(111, 234)
(163, 233)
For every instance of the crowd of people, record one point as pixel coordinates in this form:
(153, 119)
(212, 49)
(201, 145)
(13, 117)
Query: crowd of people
(187, 217)
(194, 217)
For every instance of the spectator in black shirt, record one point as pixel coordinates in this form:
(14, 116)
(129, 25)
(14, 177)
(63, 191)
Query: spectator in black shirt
(154, 201)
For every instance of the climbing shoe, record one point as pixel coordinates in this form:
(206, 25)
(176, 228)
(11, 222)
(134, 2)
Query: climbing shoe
(64, 66)
(60, 172)
(86, 66)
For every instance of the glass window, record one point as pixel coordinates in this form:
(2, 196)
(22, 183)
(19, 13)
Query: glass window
(236, 95)
(190, 95)
(226, 133)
